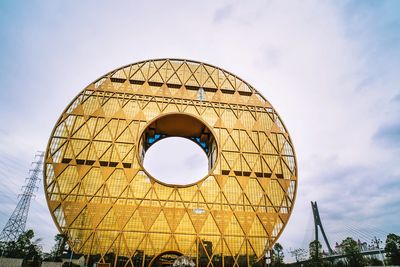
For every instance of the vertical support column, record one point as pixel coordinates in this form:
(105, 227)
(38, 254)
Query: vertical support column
(318, 223)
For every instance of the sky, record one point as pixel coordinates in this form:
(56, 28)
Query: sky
(330, 68)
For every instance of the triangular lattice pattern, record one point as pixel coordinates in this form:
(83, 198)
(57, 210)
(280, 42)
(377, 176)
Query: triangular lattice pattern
(100, 195)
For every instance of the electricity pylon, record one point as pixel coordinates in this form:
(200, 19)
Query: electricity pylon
(16, 224)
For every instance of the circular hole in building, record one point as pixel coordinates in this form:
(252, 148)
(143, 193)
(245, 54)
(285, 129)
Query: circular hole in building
(177, 149)
(176, 160)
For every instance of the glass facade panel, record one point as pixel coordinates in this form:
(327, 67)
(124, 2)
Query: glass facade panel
(113, 211)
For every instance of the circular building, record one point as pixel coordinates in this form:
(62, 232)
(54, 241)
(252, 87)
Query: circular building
(115, 213)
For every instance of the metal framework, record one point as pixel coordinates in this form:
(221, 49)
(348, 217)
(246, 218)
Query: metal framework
(113, 211)
(16, 224)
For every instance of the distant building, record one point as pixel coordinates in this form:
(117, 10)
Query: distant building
(363, 246)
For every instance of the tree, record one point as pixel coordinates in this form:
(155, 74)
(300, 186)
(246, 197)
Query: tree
(299, 254)
(24, 248)
(315, 251)
(277, 255)
(351, 250)
(373, 262)
(392, 248)
(58, 247)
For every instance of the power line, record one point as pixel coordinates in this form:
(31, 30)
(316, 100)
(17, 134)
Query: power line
(16, 224)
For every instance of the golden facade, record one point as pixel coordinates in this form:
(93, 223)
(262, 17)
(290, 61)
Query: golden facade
(113, 211)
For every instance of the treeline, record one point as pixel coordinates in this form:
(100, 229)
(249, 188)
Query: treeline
(348, 248)
(28, 248)
(25, 247)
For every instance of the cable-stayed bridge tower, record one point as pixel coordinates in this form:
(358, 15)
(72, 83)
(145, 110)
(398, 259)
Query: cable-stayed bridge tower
(318, 223)
(15, 225)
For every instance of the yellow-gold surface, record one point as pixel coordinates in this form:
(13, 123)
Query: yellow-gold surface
(100, 195)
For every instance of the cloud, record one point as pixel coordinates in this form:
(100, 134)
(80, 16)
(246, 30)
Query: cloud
(329, 68)
(176, 160)
(353, 201)
(388, 135)
(223, 13)
(396, 98)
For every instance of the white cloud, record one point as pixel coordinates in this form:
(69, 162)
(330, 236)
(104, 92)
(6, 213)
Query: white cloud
(176, 160)
(329, 68)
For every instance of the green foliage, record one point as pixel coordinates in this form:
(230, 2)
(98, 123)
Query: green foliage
(315, 251)
(340, 263)
(277, 255)
(299, 254)
(351, 250)
(373, 262)
(392, 249)
(58, 247)
(24, 248)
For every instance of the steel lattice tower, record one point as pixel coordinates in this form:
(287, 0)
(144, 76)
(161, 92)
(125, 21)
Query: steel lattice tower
(15, 225)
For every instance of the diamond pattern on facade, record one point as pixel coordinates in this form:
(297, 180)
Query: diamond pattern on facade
(100, 195)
